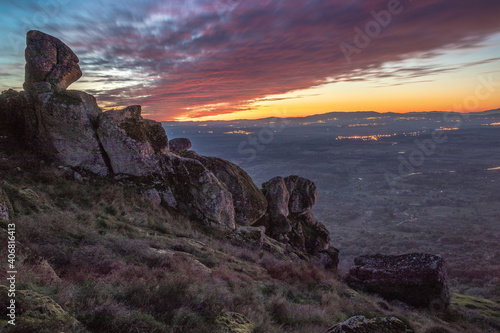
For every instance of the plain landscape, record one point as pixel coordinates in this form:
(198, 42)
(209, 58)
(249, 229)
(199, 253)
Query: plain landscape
(385, 185)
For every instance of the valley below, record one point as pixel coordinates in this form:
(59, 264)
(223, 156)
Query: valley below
(387, 183)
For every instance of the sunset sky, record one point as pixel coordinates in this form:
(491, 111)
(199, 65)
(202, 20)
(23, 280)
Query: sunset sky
(231, 59)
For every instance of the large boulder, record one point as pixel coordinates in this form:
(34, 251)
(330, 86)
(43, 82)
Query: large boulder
(134, 146)
(196, 191)
(49, 60)
(248, 201)
(63, 128)
(417, 279)
(359, 324)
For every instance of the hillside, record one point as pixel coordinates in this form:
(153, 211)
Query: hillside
(112, 227)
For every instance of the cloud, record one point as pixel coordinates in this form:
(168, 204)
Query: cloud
(200, 57)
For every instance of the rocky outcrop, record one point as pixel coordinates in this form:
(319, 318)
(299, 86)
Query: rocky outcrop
(133, 146)
(359, 324)
(180, 145)
(68, 127)
(248, 201)
(289, 219)
(417, 279)
(49, 61)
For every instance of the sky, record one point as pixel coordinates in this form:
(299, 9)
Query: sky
(234, 59)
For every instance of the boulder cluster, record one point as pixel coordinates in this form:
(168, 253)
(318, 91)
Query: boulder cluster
(68, 128)
(289, 218)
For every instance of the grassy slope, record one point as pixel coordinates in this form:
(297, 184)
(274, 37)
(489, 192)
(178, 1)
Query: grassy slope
(116, 263)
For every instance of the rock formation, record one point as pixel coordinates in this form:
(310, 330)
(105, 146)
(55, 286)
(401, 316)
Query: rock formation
(49, 63)
(417, 279)
(359, 324)
(68, 127)
(289, 219)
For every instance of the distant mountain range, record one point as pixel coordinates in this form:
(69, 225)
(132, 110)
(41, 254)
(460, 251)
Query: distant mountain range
(338, 117)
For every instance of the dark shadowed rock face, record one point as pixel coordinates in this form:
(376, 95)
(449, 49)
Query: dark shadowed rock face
(179, 145)
(249, 202)
(49, 60)
(417, 279)
(13, 108)
(303, 194)
(359, 324)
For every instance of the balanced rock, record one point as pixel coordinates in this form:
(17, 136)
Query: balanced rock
(179, 145)
(133, 146)
(248, 201)
(417, 279)
(359, 324)
(49, 60)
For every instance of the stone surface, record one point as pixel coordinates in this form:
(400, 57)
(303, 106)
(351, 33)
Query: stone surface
(303, 194)
(15, 111)
(48, 59)
(359, 324)
(197, 191)
(417, 279)
(64, 129)
(179, 145)
(250, 235)
(132, 145)
(248, 201)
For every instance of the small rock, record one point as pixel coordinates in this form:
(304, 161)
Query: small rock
(359, 324)
(179, 145)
